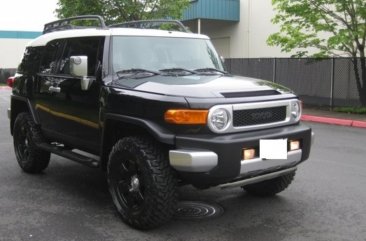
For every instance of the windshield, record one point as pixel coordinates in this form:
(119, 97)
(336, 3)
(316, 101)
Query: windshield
(162, 53)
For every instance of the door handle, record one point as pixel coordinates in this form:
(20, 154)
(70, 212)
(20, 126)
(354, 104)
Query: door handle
(54, 89)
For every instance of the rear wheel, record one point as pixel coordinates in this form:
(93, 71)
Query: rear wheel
(270, 187)
(25, 136)
(141, 182)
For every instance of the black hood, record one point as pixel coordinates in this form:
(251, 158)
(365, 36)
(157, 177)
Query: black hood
(201, 86)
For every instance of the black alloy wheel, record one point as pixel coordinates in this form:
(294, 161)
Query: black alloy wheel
(25, 136)
(129, 187)
(141, 182)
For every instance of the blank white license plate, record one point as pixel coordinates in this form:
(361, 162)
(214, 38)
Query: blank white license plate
(273, 149)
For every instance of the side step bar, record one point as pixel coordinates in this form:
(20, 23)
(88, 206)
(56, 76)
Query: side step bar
(88, 161)
(257, 179)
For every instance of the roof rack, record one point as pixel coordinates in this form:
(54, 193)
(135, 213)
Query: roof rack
(64, 24)
(152, 24)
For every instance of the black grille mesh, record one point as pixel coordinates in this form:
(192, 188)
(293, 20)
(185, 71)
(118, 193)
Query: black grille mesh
(259, 116)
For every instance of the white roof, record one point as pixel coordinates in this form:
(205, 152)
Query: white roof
(45, 38)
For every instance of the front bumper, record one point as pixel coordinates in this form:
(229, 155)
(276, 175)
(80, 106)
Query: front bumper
(212, 160)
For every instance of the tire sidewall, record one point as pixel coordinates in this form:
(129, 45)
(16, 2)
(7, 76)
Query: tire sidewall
(20, 123)
(159, 183)
(119, 156)
(36, 160)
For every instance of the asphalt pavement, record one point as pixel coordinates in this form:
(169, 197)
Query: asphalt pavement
(326, 202)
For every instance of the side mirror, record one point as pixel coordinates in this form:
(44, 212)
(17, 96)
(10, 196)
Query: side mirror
(79, 68)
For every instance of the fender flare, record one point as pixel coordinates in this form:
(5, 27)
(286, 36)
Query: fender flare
(159, 133)
(15, 110)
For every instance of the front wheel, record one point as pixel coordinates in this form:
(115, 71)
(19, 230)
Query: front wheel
(25, 136)
(141, 182)
(270, 187)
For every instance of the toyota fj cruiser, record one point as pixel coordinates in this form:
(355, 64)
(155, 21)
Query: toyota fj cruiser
(155, 109)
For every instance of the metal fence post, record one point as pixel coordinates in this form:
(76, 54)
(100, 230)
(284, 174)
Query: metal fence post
(332, 83)
(274, 70)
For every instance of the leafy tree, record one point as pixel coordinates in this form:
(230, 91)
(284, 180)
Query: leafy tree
(117, 11)
(331, 27)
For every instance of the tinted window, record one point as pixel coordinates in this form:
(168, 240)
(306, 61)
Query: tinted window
(30, 61)
(49, 59)
(89, 47)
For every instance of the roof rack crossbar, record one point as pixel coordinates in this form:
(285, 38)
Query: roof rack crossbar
(63, 24)
(150, 24)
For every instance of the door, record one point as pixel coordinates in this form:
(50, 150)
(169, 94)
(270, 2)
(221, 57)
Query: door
(69, 114)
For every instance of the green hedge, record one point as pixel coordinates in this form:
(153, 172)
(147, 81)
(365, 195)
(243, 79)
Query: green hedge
(351, 110)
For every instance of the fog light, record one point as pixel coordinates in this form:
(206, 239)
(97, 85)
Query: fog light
(248, 154)
(294, 145)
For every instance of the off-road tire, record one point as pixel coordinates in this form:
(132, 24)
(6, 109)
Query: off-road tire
(270, 187)
(25, 136)
(143, 159)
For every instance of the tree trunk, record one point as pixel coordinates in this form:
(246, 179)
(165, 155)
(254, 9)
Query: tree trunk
(360, 78)
(362, 92)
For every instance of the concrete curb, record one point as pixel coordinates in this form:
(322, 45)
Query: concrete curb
(5, 88)
(334, 121)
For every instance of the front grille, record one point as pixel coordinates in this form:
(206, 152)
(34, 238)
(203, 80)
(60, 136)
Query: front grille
(259, 116)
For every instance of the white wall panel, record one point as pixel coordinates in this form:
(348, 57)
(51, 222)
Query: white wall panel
(11, 52)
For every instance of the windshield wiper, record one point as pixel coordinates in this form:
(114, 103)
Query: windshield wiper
(136, 73)
(210, 71)
(178, 71)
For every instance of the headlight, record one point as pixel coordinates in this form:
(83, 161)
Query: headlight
(219, 120)
(296, 110)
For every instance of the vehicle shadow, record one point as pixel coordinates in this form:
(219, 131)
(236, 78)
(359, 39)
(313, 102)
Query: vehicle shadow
(68, 193)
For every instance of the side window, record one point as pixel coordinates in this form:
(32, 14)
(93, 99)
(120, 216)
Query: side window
(90, 47)
(49, 58)
(30, 61)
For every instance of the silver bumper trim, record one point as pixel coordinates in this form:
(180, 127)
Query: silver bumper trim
(9, 113)
(257, 179)
(193, 161)
(248, 166)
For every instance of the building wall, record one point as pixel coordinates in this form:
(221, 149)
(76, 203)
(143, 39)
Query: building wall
(12, 46)
(11, 52)
(246, 38)
(259, 26)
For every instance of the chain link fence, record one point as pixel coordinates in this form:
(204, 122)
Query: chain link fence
(326, 82)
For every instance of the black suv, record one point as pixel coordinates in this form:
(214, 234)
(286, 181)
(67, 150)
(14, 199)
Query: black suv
(155, 109)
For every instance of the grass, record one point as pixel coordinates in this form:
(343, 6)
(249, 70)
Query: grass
(351, 110)
(3, 84)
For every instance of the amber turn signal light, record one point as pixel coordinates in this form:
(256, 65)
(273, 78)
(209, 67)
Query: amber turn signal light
(186, 117)
(249, 154)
